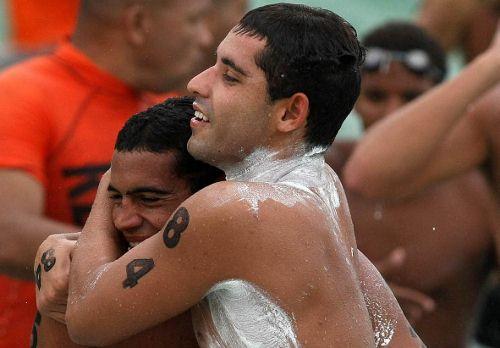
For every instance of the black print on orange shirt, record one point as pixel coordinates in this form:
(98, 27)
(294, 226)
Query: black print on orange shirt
(38, 276)
(48, 259)
(175, 226)
(136, 270)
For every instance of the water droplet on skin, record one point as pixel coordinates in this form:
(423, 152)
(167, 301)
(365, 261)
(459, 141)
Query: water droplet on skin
(378, 212)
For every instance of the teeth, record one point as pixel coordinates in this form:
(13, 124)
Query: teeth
(133, 244)
(200, 116)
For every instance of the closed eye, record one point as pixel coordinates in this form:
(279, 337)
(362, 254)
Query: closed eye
(229, 78)
(150, 199)
(115, 196)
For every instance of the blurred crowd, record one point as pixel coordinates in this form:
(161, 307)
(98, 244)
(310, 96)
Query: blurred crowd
(422, 182)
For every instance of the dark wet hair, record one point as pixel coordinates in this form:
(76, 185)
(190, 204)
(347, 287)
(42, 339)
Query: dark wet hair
(165, 128)
(404, 36)
(313, 51)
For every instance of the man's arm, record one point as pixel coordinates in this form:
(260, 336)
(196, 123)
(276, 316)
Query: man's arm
(157, 280)
(50, 333)
(447, 20)
(23, 223)
(377, 291)
(427, 140)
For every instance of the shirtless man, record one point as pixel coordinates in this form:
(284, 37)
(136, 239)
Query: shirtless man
(450, 130)
(468, 25)
(152, 174)
(268, 257)
(447, 228)
(446, 132)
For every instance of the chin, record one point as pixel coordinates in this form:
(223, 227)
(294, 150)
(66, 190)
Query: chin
(198, 149)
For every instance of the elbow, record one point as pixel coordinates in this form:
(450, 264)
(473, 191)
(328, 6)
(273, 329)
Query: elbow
(84, 329)
(358, 181)
(371, 188)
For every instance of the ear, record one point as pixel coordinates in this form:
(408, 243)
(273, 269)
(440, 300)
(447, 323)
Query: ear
(294, 113)
(136, 24)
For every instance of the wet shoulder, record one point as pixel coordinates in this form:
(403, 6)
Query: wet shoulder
(242, 206)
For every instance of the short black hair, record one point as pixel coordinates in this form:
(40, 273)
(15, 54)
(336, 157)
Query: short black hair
(313, 51)
(404, 37)
(165, 128)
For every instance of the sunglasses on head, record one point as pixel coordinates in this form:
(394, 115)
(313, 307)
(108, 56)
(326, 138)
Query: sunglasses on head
(417, 61)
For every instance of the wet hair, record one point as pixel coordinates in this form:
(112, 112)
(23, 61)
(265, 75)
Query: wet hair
(165, 128)
(403, 36)
(313, 51)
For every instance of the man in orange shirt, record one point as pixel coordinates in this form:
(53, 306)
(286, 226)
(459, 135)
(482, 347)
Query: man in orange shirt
(59, 116)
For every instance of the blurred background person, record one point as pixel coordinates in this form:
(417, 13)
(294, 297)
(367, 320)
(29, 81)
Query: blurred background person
(465, 25)
(445, 234)
(59, 116)
(224, 15)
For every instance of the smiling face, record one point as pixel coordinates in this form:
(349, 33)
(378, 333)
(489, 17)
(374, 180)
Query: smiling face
(232, 99)
(383, 92)
(145, 191)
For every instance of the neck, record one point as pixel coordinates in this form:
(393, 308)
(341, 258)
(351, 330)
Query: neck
(108, 53)
(269, 165)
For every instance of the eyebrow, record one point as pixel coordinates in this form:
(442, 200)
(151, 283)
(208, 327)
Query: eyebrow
(229, 62)
(143, 189)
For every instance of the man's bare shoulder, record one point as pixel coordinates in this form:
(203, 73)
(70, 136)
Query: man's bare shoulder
(251, 196)
(250, 206)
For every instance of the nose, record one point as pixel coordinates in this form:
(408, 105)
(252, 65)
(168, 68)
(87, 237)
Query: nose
(199, 85)
(126, 218)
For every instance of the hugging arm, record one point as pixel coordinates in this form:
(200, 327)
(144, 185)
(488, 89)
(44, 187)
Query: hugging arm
(112, 298)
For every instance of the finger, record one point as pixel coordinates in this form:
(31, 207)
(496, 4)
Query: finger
(100, 214)
(416, 297)
(392, 262)
(59, 317)
(71, 236)
(413, 314)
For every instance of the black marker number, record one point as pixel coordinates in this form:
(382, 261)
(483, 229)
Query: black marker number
(38, 276)
(136, 270)
(34, 330)
(48, 259)
(174, 228)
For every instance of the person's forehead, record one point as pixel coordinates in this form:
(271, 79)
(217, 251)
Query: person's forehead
(241, 48)
(139, 168)
(190, 7)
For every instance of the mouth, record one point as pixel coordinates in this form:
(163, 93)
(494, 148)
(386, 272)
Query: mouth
(200, 116)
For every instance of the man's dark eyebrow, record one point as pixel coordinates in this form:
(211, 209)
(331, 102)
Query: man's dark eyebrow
(111, 188)
(145, 189)
(231, 64)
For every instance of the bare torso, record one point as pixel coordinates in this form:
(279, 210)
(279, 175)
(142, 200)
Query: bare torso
(446, 233)
(487, 111)
(299, 223)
